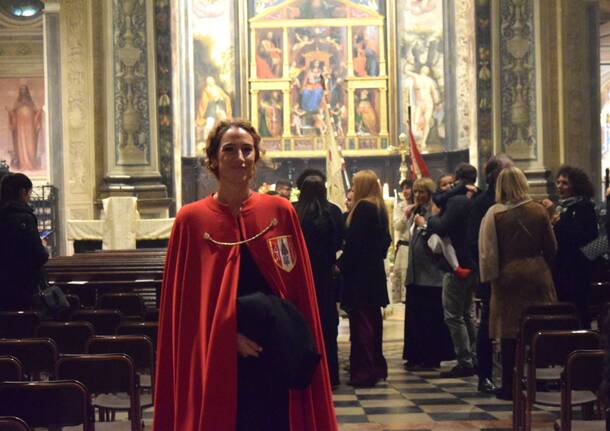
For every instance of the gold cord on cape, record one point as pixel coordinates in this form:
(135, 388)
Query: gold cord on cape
(270, 226)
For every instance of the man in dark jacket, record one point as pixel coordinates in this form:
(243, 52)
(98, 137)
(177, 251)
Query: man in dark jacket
(22, 253)
(480, 205)
(458, 295)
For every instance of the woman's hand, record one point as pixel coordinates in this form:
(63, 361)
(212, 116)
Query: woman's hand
(419, 220)
(408, 210)
(547, 203)
(608, 192)
(246, 347)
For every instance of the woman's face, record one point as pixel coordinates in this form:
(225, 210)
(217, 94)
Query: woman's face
(421, 196)
(236, 157)
(445, 182)
(564, 188)
(349, 200)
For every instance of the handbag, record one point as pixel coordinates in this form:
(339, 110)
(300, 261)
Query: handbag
(596, 248)
(50, 300)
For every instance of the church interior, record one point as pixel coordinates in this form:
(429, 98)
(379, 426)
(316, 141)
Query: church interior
(109, 106)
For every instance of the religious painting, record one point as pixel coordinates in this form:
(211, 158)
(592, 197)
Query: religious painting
(213, 64)
(421, 71)
(23, 143)
(366, 51)
(318, 71)
(367, 111)
(331, 73)
(269, 54)
(270, 114)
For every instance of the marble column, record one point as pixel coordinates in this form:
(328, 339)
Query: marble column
(545, 93)
(53, 103)
(131, 157)
(77, 183)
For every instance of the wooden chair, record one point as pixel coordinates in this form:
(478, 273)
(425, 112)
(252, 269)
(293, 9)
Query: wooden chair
(551, 349)
(51, 404)
(102, 375)
(18, 324)
(140, 349)
(530, 325)
(551, 309)
(12, 423)
(37, 355)
(104, 322)
(10, 369)
(70, 337)
(131, 305)
(150, 329)
(583, 372)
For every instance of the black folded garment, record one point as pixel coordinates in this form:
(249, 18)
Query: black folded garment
(285, 337)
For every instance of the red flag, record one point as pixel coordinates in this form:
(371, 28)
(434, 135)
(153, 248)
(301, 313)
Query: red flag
(418, 165)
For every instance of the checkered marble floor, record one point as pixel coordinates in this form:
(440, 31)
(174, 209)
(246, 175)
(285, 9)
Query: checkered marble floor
(419, 400)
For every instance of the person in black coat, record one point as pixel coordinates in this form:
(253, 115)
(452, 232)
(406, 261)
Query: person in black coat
(365, 287)
(575, 224)
(323, 229)
(458, 294)
(22, 254)
(480, 204)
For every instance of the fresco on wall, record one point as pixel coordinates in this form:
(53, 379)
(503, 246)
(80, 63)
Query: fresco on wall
(421, 73)
(22, 138)
(213, 64)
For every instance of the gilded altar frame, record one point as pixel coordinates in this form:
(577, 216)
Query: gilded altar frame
(286, 145)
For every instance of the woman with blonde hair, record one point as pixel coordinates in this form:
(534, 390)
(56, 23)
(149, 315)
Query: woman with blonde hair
(516, 248)
(365, 291)
(426, 336)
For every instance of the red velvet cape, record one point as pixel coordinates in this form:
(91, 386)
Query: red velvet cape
(196, 380)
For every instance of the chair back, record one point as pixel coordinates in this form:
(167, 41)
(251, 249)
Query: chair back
(46, 404)
(150, 329)
(138, 347)
(131, 305)
(536, 323)
(583, 372)
(10, 369)
(18, 324)
(70, 337)
(104, 322)
(552, 348)
(12, 423)
(104, 374)
(551, 309)
(36, 355)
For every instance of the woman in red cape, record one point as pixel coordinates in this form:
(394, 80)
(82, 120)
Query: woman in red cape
(199, 344)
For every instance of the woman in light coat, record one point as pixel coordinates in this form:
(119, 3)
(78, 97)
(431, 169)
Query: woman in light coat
(517, 246)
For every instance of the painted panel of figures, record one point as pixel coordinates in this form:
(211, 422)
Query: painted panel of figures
(367, 111)
(22, 137)
(366, 51)
(213, 64)
(421, 74)
(270, 111)
(318, 61)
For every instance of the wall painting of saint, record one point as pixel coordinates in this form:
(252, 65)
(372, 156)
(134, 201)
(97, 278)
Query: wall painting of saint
(213, 64)
(421, 73)
(22, 139)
